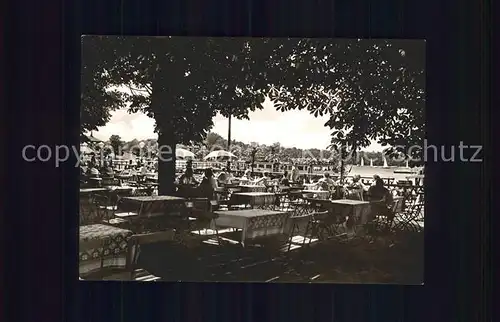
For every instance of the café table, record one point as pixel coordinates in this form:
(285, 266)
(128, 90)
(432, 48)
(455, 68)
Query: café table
(86, 191)
(254, 199)
(253, 188)
(111, 253)
(320, 194)
(253, 222)
(153, 205)
(119, 188)
(356, 211)
(310, 186)
(95, 181)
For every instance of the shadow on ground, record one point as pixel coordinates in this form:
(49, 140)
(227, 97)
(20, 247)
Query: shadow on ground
(355, 261)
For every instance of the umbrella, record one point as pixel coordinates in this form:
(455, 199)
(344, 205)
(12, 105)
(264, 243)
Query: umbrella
(220, 154)
(183, 154)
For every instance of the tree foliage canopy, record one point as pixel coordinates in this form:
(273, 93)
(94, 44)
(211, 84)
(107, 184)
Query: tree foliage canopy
(372, 89)
(181, 82)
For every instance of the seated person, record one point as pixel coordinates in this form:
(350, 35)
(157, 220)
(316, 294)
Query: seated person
(230, 177)
(305, 179)
(108, 172)
(326, 183)
(381, 199)
(374, 181)
(225, 177)
(208, 185)
(294, 175)
(284, 181)
(187, 178)
(247, 176)
(355, 188)
(222, 178)
(92, 172)
(264, 180)
(92, 162)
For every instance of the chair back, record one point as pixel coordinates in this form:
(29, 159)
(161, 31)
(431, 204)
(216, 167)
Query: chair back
(101, 199)
(110, 182)
(299, 222)
(397, 207)
(137, 240)
(202, 204)
(319, 204)
(307, 195)
(143, 191)
(320, 215)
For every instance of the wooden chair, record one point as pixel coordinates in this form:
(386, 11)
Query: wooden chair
(202, 217)
(408, 219)
(143, 191)
(115, 216)
(287, 248)
(100, 202)
(110, 182)
(320, 224)
(87, 210)
(135, 242)
(382, 221)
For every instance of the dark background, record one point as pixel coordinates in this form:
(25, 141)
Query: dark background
(41, 92)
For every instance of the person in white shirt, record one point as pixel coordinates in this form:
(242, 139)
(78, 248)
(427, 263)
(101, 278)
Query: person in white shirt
(326, 183)
(294, 174)
(264, 180)
(355, 188)
(247, 176)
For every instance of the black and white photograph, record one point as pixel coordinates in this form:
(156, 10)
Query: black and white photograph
(277, 160)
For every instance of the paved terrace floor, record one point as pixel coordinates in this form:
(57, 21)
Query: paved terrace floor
(356, 261)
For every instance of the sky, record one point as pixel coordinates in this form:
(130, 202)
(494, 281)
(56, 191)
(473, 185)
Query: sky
(291, 129)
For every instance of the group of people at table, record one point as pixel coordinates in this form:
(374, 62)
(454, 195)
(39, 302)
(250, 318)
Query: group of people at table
(104, 168)
(353, 189)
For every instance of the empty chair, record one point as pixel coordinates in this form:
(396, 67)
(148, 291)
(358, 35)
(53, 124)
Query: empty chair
(201, 216)
(87, 210)
(321, 224)
(116, 216)
(135, 243)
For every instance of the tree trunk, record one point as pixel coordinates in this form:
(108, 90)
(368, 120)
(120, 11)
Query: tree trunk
(166, 165)
(229, 142)
(253, 162)
(342, 165)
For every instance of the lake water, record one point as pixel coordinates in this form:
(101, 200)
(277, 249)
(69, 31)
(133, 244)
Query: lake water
(367, 171)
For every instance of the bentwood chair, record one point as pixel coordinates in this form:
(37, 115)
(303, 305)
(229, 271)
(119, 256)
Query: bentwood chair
(117, 216)
(382, 219)
(287, 249)
(201, 218)
(87, 210)
(135, 243)
(408, 220)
